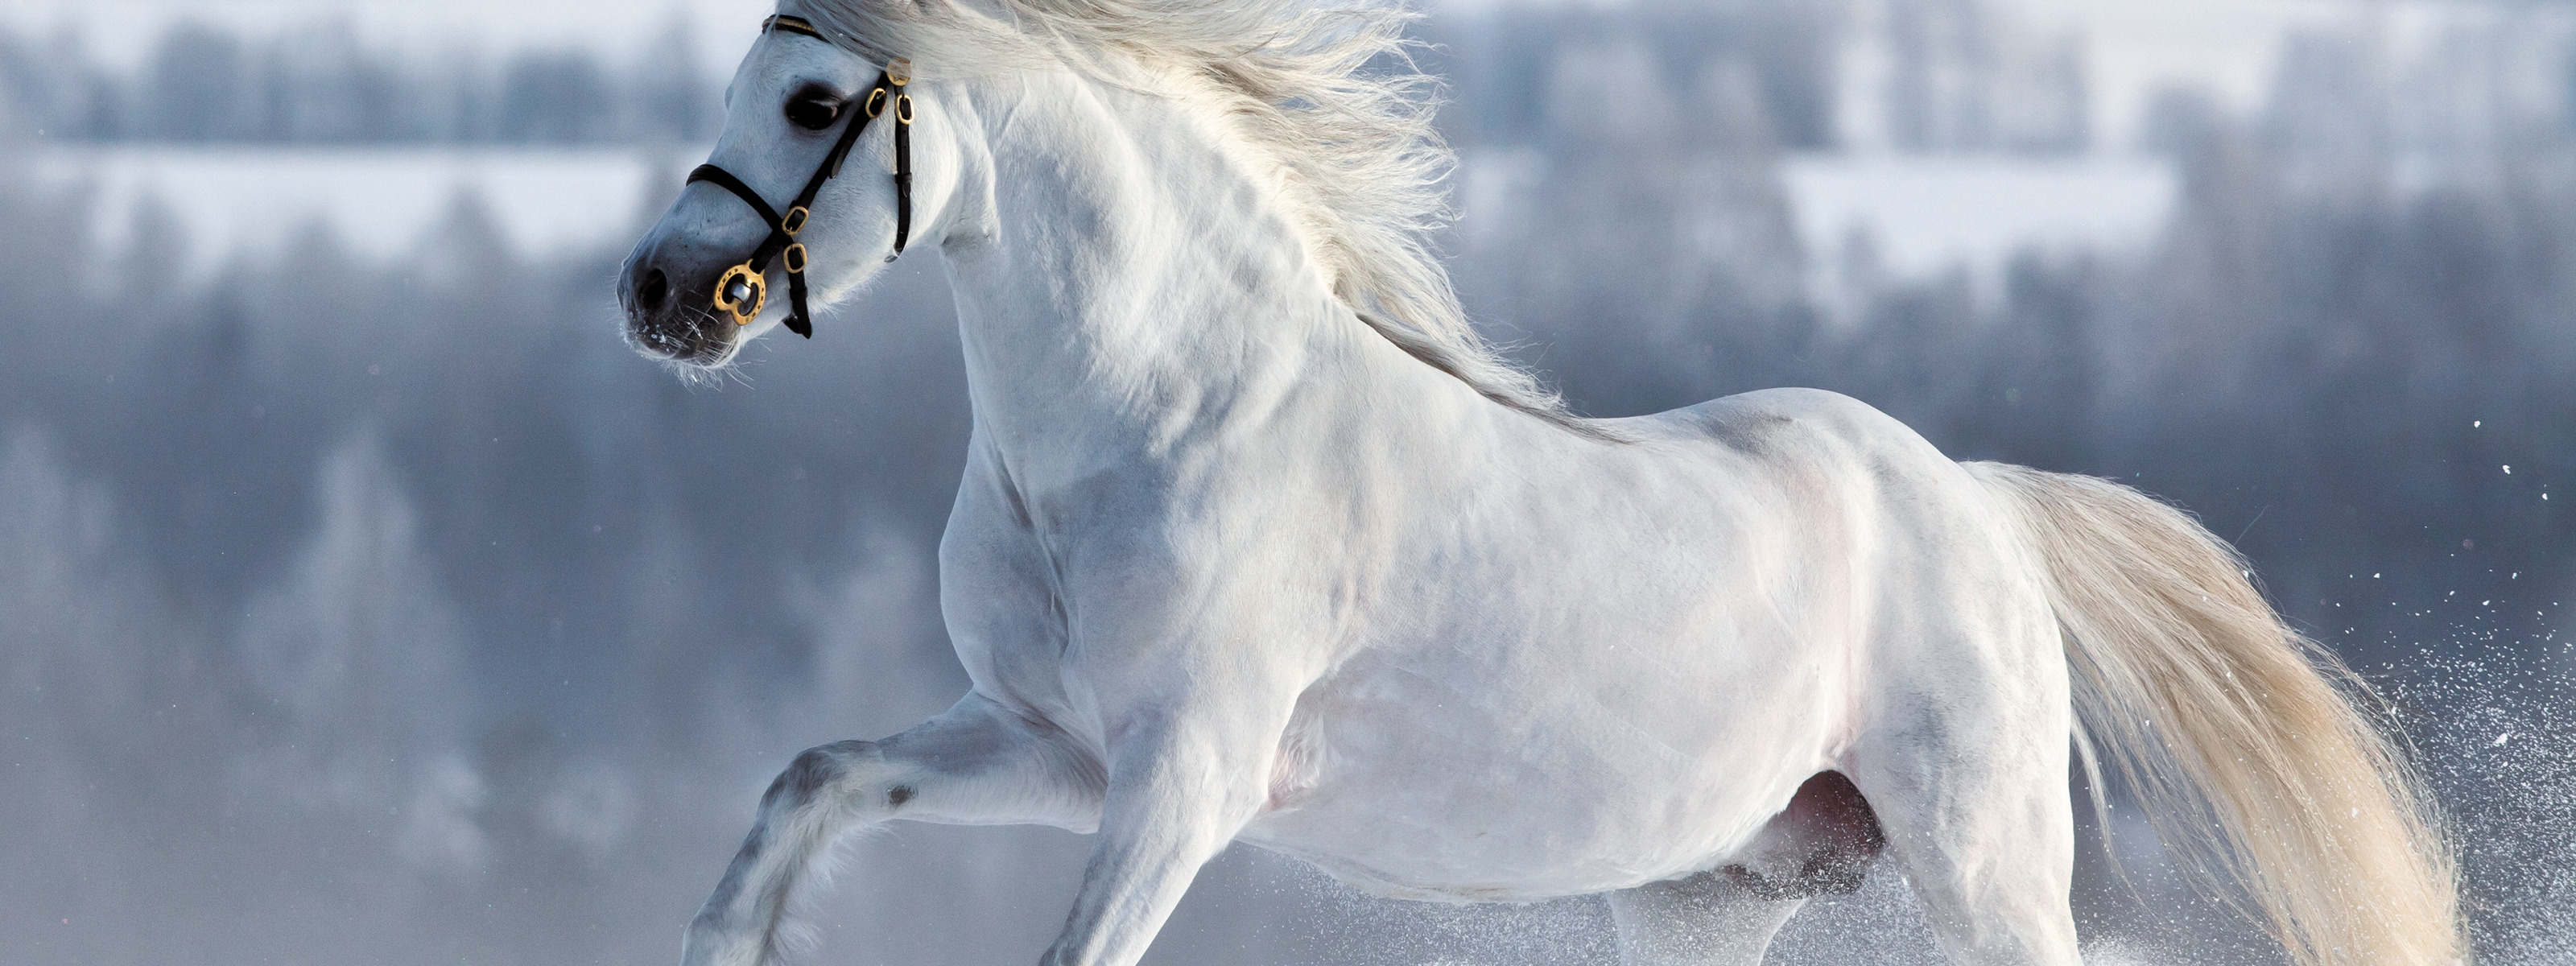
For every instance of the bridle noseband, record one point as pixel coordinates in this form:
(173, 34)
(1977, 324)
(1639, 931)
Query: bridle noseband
(744, 289)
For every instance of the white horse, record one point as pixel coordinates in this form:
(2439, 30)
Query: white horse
(1258, 542)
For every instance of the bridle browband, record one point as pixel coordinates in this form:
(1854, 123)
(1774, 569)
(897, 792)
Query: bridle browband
(743, 290)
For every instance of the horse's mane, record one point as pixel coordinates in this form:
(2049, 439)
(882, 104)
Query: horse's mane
(1329, 93)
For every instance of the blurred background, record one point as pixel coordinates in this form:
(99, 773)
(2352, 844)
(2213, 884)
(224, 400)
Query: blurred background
(363, 599)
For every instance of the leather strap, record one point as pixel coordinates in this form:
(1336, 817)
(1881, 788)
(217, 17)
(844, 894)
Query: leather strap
(793, 25)
(902, 167)
(887, 95)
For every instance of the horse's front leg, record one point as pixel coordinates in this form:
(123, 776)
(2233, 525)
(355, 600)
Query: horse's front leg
(1180, 787)
(975, 764)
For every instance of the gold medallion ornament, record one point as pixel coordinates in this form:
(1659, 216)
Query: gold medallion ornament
(741, 293)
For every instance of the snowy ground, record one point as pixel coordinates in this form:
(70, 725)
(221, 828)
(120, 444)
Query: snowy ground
(378, 201)
(1927, 214)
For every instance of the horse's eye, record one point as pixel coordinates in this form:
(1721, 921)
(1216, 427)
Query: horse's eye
(813, 109)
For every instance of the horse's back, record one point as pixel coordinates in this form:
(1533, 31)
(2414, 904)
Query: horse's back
(1866, 485)
(1795, 425)
(1939, 546)
(1904, 501)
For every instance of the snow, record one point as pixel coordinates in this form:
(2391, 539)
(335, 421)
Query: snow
(378, 201)
(1928, 213)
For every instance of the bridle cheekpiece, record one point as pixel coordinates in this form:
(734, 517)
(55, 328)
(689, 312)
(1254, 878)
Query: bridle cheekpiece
(743, 290)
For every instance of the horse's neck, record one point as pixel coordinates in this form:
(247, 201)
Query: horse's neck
(1137, 288)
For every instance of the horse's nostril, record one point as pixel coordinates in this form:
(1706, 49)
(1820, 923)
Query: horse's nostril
(650, 291)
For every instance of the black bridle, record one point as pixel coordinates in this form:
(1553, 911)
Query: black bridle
(744, 289)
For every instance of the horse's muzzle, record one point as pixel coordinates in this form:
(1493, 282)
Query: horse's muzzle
(670, 317)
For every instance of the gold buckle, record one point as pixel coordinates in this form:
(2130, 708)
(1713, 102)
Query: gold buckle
(794, 258)
(795, 220)
(903, 108)
(875, 103)
(756, 293)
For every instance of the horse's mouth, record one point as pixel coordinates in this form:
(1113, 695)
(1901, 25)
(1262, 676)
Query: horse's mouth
(684, 336)
(681, 351)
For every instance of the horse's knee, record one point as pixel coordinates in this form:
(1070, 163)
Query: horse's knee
(1822, 843)
(814, 770)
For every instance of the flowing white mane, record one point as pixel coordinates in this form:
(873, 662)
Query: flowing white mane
(1328, 94)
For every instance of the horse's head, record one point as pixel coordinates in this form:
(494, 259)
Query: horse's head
(810, 188)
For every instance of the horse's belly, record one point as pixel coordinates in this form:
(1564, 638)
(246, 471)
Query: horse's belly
(1427, 779)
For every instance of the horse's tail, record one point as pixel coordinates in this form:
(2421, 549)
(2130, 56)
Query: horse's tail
(2246, 743)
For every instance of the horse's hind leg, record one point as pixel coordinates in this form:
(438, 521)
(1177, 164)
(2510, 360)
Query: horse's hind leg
(1823, 842)
(1977, 813)
(975, 764)
(1710, 919)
